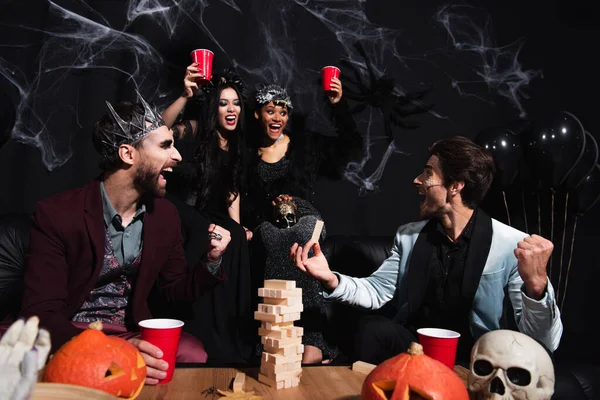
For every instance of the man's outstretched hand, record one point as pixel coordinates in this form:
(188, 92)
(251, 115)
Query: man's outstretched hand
(315, 266)
(24, 350)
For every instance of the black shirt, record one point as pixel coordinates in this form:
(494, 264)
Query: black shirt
(442, 306)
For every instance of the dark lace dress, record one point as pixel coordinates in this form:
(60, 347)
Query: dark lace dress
(222, 319)
(309, 156)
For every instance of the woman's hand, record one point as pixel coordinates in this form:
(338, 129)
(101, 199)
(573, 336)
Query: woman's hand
(249, 233)
(189, 81)
(336, 89)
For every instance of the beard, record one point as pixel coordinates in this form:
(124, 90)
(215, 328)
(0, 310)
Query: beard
(425, 212)
(146, 181)
(429, 209)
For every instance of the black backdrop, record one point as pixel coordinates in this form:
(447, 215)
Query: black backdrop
(489, 63)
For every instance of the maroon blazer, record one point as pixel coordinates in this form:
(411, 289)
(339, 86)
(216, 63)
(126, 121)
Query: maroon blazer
(66, 252)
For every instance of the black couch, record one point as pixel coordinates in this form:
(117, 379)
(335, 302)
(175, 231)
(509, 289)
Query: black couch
(577, 377)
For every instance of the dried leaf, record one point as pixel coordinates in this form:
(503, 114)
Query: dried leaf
(239, 395)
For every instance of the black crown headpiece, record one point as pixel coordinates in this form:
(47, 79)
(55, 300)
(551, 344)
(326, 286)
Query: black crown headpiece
(228, 78)
(130, 132)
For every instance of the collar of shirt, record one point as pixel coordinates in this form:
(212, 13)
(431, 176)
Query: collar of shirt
(465, 236)
(110, 214)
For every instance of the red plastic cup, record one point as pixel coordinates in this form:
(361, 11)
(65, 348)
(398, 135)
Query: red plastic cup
(439, 344)
(164, 334)
(204, 59)
(327, 73)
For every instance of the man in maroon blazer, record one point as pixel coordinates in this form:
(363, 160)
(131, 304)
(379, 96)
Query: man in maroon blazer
(97, 251)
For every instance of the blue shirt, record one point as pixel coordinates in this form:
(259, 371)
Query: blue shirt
(126, 240)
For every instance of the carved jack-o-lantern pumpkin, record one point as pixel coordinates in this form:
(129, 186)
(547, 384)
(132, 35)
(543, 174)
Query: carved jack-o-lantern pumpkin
(413, 375)
(98, 361)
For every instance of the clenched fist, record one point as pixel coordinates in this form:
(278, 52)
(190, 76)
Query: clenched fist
(533, 254)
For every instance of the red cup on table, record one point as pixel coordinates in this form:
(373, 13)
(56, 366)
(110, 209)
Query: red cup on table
(327, 73)
(164, 334)
(439, 344)
(204, 59)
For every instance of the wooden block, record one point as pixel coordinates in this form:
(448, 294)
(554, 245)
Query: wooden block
(289, 317)
(288, 350)
(277, 343)
(291, 332)
(280, 310)
(279, 384)
(279, 284)
(280, 343)
(269, 369)
(291, 309)
(297, 331)
(268, 317)
(317, 232)
(279, 359)
(276, 325)
(362, 367)
(238, 382)
(268, 381)
(274, 334)
(267, 309)
(276, 318)
(279, 293)
(288, 301)
(281, 376)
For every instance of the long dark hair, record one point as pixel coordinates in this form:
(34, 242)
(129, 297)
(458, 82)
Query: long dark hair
(208, 156)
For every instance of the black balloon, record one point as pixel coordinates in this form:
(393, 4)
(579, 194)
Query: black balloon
(553, 147)
(585, 165)
(506, 149)
(587, 193)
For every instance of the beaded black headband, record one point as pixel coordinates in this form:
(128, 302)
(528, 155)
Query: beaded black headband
(227, 78)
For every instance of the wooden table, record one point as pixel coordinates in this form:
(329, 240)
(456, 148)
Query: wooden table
(320, 382)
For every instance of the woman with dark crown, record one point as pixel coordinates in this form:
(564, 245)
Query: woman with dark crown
(206, 189)
(277, 203)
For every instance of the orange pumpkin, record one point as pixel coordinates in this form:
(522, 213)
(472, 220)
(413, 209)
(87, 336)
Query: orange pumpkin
(413, 375)
(98, 361)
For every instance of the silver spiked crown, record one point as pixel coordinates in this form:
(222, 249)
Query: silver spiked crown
(129, 132)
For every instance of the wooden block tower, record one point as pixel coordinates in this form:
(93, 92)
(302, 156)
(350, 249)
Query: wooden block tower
(281, 362)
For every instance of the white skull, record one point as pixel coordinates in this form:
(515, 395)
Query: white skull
(510, 365)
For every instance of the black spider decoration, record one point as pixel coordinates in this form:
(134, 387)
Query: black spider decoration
(381, 93)
(211, 391)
